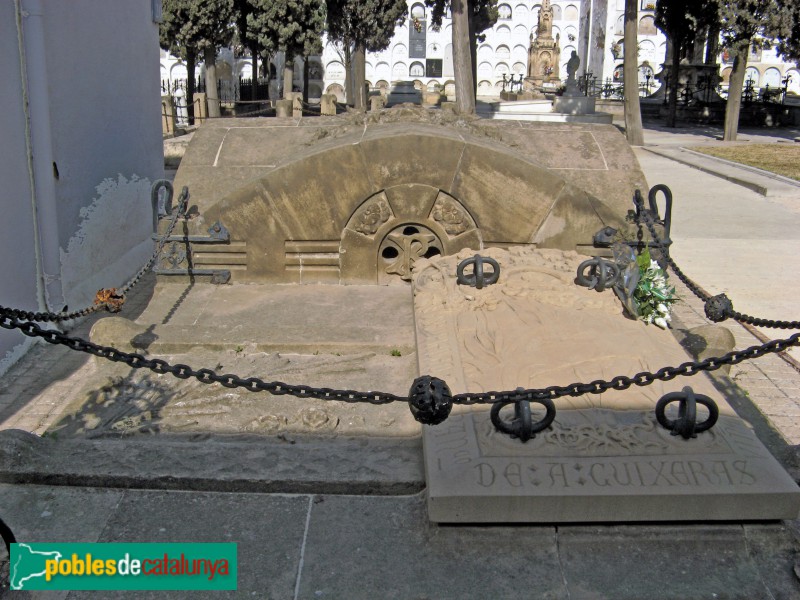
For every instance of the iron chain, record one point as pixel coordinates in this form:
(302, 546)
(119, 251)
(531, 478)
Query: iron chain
(24, 321)
(179, 211)
(8, 320)
(100, 302)
(704, 296)
(622, 382)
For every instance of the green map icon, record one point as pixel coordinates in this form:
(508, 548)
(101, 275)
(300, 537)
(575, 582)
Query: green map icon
(26, 564)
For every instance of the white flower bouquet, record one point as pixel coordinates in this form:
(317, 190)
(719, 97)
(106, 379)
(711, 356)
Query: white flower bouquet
(653, 297)
(643, 290)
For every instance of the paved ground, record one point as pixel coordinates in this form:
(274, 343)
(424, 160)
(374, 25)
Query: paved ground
(319, 545)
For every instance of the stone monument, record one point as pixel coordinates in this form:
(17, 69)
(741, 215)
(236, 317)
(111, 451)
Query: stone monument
(544, 53)
(402, 92)
(573, 101)
(605, 457)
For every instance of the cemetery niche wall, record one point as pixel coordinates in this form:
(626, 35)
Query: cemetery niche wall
(344, 200)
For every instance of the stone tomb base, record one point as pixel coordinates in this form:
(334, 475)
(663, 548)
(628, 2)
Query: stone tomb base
(574, 105)
(605, 458)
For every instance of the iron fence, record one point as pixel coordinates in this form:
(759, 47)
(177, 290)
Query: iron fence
(703, 91)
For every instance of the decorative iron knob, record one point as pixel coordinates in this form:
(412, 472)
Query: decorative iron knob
(718, 308)
(478, 278)
(430, 400)
(686, 424)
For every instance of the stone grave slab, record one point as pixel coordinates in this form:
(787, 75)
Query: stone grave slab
(605, 458)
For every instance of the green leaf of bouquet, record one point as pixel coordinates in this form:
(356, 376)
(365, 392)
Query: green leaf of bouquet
(643, 260)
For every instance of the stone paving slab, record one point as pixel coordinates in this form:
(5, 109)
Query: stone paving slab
(356, 547)
(267, 529)
(696, 561)
(285, 318)
(389, 546)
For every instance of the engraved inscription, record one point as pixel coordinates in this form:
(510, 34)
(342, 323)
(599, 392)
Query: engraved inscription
(451, 441)
(624, 474)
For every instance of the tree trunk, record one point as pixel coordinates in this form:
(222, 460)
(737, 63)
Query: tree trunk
(462, 59)
(735, 86)
(348, 73)
(305, 79)
(288, 76)
(674, 82)
(191, 64)
(633, 113)
(212, 96)
(473, 52)
(254, 89)
(360, 77)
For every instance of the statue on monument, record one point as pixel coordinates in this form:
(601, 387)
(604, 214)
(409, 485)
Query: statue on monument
(571, 87)
(572, 66)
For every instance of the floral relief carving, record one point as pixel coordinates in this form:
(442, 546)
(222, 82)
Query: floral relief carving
(451, 217)
(372, 217)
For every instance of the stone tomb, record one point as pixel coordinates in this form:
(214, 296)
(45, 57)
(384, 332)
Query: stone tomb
(605, 458)
(352, 199)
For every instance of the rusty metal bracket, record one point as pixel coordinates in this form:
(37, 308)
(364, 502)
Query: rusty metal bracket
(217, 234)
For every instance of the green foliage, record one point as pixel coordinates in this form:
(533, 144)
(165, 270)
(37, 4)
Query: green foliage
(294, 26)
(785, 27)
(243, 36)
(396, 352)
(191, 26)
(654, 299)
(682, 20)
(483, 14)
(369, 24)
(743, 22)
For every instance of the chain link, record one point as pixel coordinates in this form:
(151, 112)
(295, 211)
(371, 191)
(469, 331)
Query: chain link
(705, 296)
(23, 321)
(179, 211)
(622, 382)
(9, 321)
(110, 299)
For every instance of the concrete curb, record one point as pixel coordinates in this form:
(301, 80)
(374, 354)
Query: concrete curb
(762, 182)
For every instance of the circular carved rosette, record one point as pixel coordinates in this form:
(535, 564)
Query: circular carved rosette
(403, 246)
